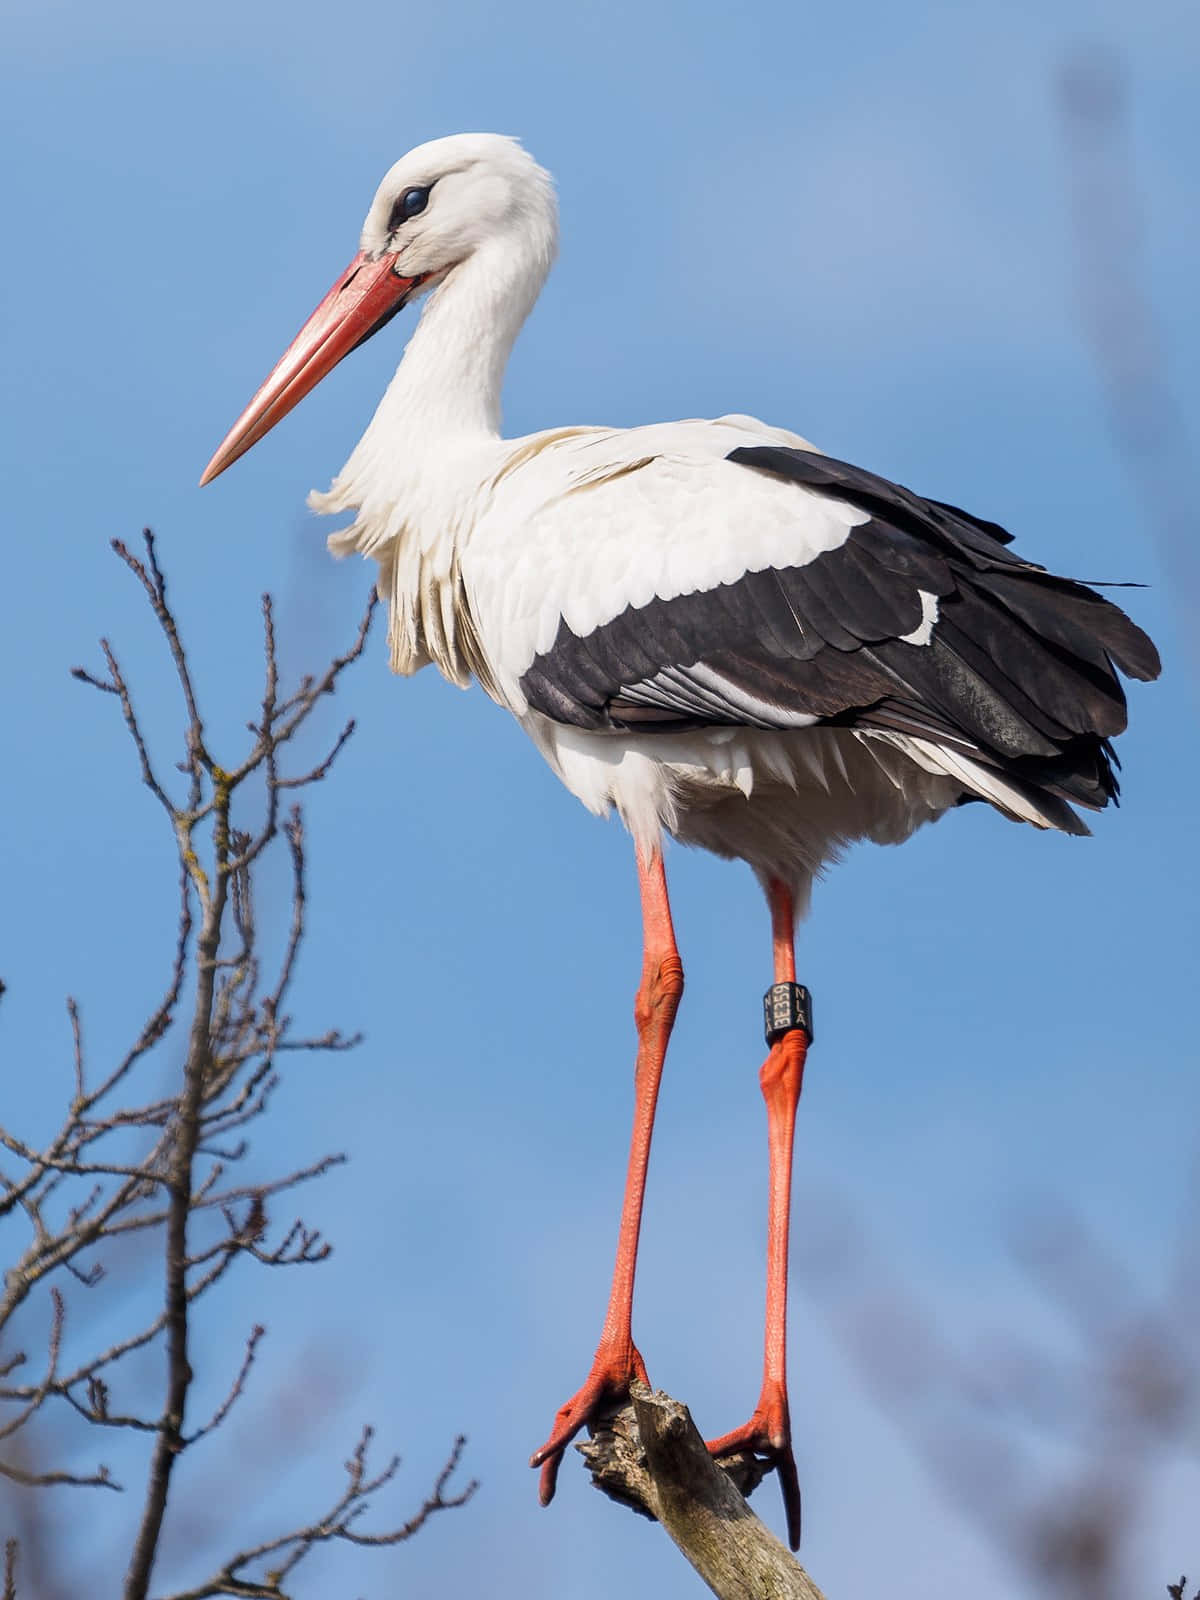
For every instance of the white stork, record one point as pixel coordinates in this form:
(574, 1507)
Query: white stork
(708, 625)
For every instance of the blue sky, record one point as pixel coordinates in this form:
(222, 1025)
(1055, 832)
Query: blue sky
(851, 222)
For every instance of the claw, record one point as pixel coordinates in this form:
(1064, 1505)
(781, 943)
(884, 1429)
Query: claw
(607, 1384)
(548, 1477)
(769, 1434)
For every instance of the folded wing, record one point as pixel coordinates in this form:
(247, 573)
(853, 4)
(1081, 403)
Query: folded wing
(921, 624)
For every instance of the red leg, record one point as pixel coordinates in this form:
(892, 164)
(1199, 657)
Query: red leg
(617, 1360)
(769, 1430)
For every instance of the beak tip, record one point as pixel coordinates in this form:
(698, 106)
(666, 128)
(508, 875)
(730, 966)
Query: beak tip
(214, 469)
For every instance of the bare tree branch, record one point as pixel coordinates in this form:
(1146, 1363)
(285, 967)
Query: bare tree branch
(237, 1576)
(649, 1455)
(126, 1166)
(237, 1388)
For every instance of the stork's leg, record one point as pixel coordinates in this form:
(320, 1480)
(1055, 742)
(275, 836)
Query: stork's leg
(617, 1359)
(768, 1431)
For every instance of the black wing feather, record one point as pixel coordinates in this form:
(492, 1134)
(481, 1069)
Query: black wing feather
(1019, 671)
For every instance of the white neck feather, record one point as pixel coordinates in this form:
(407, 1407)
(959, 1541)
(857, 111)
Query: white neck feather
(445, 394)
(449, 382)
(409, 478)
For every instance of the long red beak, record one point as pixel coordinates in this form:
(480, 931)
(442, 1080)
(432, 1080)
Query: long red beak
(366, 295)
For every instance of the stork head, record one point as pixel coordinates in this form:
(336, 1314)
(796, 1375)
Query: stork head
(440, 205)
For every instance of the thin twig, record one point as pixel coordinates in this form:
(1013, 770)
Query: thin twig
(336, 1525)
(236, 1390)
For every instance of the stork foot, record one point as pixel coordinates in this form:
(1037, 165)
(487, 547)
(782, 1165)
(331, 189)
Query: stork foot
(613, 1369)
(769, 1434)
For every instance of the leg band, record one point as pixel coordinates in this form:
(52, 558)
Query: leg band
(787, 1006)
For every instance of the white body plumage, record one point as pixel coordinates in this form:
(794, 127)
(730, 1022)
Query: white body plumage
(485, 551)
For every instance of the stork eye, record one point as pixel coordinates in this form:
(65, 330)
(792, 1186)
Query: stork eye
(410, 204)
